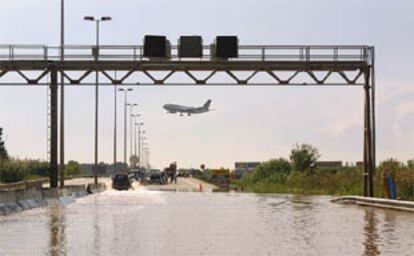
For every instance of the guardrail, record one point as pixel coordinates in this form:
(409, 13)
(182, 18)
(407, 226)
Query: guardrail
(300, 53)
(23, 185)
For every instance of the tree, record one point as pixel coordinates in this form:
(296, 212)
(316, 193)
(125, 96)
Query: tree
(73, 168)
(391, 165)
(410, 164)
(3, 151)
(303, 157)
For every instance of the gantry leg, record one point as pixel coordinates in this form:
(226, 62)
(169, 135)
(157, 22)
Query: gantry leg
(53, 128)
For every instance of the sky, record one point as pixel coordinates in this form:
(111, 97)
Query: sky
(248, 124)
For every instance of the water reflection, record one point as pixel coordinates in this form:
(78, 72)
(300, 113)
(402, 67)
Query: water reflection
(96, 228)
(57, 243)
(371, 233)
(303, 221)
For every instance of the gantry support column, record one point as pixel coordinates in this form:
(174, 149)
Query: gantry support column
(369, 150)
(53, 167)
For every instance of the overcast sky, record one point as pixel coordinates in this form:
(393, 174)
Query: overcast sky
(248, 124)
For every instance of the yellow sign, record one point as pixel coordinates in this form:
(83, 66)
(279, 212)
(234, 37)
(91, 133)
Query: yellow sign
(220, 172)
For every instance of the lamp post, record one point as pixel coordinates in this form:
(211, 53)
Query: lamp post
(140, 141)
(135, 134)
(126, 90)
(139, 124)
(96, 55)
(141, 153)
(145, 154)
(131, 130)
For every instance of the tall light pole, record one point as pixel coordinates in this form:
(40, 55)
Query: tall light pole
(139, 124)
(147, 156)
(144, 154)
(126, 90)
(131, 122)
(140, 133)
(135, 134)
(96, 55)
(62, 97)
(141, 153)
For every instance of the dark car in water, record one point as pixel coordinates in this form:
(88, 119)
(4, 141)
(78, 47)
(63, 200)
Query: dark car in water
(155, 177)
(121, 182)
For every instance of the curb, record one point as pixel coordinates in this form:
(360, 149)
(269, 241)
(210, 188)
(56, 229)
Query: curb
(382, 203)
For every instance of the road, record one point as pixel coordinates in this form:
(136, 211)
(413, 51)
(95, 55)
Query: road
(183, 185)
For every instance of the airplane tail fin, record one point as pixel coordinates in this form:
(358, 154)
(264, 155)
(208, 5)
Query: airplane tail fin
(207, 105)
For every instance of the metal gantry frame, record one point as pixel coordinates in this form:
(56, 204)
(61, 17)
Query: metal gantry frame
(257, 65)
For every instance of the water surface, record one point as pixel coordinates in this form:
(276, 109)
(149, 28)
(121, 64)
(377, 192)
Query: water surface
(168, 223)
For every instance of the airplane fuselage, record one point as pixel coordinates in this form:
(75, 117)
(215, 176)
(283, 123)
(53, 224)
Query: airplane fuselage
(174, 108)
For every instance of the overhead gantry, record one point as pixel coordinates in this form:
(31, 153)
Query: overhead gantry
(256, 65)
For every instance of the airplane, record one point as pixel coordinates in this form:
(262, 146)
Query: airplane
(172, 109)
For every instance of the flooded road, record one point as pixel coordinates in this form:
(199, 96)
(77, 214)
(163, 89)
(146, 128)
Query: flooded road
(167, 223)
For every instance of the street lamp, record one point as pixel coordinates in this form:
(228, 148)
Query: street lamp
(96, 55)
(145, 154)
(135, 134)
(126, 90)
(131, 123)
(143, 138)
(139, 141)
(140, 144)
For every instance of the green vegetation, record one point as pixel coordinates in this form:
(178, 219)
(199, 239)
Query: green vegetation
(304, 157)
(72, 169)
(300, 176)
(15, 170)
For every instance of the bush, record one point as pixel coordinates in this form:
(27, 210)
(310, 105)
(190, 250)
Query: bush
(13, 171)
(72, 168)
(304, 157)
(39, 168)
(276, 168)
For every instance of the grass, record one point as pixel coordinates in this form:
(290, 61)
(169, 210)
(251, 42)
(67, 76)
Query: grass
(347, 181)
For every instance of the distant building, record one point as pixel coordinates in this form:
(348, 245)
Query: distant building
(329, 165)
(242, 168)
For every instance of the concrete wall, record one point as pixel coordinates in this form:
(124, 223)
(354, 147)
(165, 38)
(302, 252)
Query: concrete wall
(20, 200)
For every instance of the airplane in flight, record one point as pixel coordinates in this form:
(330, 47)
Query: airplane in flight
(173, 108)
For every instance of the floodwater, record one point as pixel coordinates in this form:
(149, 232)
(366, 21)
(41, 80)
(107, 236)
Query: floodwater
(169, 223)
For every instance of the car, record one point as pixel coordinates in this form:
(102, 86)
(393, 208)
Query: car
(121, 182)
(155, 177)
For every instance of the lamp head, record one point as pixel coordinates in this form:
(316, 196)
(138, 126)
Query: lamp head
(90, 18)
(106, 18)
